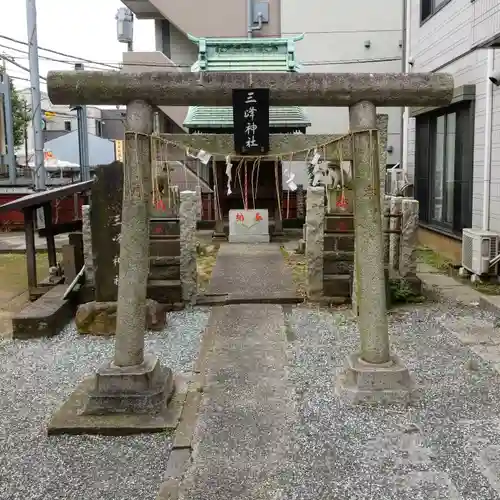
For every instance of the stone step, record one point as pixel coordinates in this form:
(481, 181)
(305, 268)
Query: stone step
(337, 285)
(164, 273)
(155, 261)
(339, 223)
(165, 291)
(339, 242)
(162, 227)
(333, 267)
(341, 255)
(165, 248)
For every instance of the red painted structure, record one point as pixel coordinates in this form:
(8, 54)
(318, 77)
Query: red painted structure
(62, 210)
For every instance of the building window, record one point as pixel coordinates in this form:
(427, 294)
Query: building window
(430, 7)
(443, 167)
(98, 128)
(67, 126)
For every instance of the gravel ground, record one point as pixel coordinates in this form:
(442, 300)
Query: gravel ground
(35, 378)
(439, 448)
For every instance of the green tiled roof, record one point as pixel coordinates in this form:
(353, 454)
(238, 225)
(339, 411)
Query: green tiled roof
(271, 55)
(222, 117)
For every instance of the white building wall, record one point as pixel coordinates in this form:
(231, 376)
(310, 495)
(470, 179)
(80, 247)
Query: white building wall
(336, 31)
(446, 42)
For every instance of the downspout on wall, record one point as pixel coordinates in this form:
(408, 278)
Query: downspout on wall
(488, 131)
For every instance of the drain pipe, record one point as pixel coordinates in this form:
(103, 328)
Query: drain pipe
(249, 18)
(488, 129)
(406, 69)
(250, 27)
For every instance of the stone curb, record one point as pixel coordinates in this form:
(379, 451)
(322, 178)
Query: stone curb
(234, 299)
(179, 460)
(490, 304)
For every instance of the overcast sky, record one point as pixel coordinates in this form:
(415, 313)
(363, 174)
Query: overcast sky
(81, 28)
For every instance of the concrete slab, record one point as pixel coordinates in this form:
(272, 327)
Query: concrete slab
(241, 437)
(251, 271)
(70, 420)
(45, 317)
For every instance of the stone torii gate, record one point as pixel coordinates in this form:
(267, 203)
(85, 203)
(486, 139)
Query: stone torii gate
(133, 382)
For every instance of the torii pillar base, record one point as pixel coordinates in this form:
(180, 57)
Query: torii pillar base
(120, 401)
(145, 388)
(382, 384)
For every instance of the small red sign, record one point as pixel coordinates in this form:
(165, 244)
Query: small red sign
(342, 202)
(160, 205)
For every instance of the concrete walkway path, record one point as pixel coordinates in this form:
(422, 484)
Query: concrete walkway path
(251, 271)
(241, 435)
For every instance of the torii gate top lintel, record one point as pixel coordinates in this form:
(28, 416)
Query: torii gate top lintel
(164, 88)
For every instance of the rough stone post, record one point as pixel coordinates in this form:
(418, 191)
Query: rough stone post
(315, 228)
(188, 216)
(199, 204)
(382, 125)
(409, 239)
(395, 225)
(300, 201)
(368, 236)
(87, 245)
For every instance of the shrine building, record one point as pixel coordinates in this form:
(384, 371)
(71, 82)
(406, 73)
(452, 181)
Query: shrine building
(273, 55)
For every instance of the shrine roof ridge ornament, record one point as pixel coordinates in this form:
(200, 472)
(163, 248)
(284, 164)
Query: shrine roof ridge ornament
(246, 54)
(165, 88)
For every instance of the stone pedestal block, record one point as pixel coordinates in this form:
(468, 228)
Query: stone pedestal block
(315, 222)
(144, 388)
(87, 245)
(385, 383)
(99, 318)
(187, 218)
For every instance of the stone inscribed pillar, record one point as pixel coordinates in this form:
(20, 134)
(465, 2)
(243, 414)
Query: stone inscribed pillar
(105, 217)
(187, 216)
(409, 239)
(315, 229)
(87, 245)
(300, 202)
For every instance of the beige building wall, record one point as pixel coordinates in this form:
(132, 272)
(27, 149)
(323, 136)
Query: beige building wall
(335, 32)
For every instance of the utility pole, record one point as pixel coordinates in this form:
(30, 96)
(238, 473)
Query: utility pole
(26, 135)
(83, 137)
(36, 101)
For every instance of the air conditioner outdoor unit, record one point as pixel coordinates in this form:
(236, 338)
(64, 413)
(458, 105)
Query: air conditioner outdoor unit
(478, 249)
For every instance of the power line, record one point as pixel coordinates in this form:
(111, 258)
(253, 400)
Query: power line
(117, 65)
(56, 52)
(45, 58)
(307, 63)
(11, 60)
